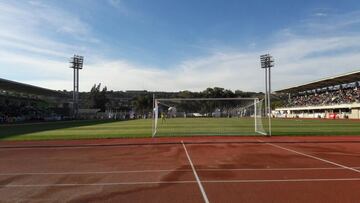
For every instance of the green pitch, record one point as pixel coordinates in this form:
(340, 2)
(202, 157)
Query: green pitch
(206, 126)
(171, 127)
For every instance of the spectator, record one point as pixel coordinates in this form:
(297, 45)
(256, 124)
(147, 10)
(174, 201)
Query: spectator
(340, 96)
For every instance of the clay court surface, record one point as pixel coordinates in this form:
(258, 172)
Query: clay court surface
(213, 169)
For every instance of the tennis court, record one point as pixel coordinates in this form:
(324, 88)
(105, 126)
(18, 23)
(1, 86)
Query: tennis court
(199, 169)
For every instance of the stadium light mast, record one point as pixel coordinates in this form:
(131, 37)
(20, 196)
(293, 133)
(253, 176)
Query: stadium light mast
(76, 63)
(267, 62)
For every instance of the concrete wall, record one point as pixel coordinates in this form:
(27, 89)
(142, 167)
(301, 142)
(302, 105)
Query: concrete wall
(355, 114)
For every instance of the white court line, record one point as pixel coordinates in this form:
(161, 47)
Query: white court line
(85, 146)
(173, 170)
(96, 184)
(180, 182)
(94, 172)
(284, 180)
(261, 133)
(273, 169)
(196, 175)
(310, 156)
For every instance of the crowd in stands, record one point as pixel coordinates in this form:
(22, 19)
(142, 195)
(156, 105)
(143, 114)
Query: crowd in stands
(340, 96)
(13, 113)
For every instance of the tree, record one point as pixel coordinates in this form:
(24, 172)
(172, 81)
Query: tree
(142, 104)
(98, 99)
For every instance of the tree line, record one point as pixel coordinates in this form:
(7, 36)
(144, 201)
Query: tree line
(142, 101)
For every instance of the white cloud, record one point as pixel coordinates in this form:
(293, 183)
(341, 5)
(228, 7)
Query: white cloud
(295, 63)
(298, 57)
(34, 69)
(29, 45)
(120, 6)
(28, 27)
(319, 14)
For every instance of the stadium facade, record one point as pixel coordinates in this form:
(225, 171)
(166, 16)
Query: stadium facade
(332, 97)
(21, 102)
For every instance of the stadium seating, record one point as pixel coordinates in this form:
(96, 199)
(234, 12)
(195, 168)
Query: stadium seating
(340, 96)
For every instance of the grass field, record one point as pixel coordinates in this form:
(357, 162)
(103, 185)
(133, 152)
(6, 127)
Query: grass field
(188, 126)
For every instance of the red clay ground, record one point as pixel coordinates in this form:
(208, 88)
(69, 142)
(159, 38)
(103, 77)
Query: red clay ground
(230, 169)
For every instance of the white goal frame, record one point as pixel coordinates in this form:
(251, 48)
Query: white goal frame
(254, 99)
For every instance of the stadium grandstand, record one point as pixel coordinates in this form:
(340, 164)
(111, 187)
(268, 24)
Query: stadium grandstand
(21, 102)
(332, 97)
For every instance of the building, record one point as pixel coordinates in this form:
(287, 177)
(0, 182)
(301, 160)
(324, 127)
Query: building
(332, 97)
(23, 102)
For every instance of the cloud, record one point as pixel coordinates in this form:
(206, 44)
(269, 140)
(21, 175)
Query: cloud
(298, 60)
(330, 22)
(303, 60)
(58, 20)
(35, 28)
(319, 14)
(302, 54)
(229, 70)
(295, 63)
(31, 46)
(120, 6)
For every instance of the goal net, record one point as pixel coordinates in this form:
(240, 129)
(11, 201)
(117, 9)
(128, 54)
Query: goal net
(208, 116)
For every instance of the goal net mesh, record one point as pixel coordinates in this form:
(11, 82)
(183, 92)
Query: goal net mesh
(208, 116)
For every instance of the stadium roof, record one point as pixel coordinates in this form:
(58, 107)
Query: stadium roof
(9, 85)
(326, 82)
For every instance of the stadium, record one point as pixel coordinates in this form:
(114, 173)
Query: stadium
(322, 113)
(334, 97)
(218, 136)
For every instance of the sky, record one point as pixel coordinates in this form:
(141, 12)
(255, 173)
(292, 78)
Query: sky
(172, 45)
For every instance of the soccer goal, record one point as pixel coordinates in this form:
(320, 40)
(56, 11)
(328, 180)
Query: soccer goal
(208, 116)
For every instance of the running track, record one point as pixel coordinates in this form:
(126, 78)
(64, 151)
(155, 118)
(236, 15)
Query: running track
(216, 169)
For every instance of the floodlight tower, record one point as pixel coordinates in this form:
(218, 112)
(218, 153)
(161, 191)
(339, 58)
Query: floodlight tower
(76, 63)
(267, 62)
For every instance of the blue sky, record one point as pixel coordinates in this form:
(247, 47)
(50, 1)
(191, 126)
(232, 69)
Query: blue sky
(173, 45)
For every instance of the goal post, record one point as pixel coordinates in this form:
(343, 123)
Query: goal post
(208, 116)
